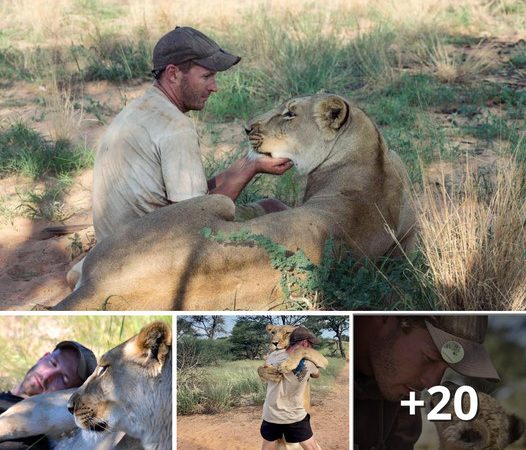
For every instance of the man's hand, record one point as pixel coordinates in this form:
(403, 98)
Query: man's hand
(274, 166)
(238, 175)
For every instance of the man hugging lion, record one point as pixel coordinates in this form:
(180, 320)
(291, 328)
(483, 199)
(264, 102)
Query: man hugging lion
(287, 372)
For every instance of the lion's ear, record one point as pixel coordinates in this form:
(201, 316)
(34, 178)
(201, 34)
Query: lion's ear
(269, 327)
(331, 114)
(154, 342)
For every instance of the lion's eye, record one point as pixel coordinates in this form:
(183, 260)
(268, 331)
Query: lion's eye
(101, 370)
(288, 114)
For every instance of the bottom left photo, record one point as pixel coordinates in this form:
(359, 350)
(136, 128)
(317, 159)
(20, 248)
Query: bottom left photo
(86, 382)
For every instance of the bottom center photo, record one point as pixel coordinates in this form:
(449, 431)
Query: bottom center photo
(262, 382)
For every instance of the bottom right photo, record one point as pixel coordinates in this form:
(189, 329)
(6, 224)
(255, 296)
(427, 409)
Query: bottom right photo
(448, 382)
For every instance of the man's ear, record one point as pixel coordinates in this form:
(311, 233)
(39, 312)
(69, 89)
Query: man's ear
(172, 72)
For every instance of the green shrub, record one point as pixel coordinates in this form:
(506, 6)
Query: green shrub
(25, 151)
(343, 284)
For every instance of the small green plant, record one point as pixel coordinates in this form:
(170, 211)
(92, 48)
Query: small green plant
(75, 246)
(46, 203)
(341, 283)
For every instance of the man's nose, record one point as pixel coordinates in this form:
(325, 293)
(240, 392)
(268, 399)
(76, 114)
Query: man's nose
(213, 86)
(433, 375)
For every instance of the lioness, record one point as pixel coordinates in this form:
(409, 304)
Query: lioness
(492, 428)
(279, 336)
(131, 390)
(125, 404)
(357, 193)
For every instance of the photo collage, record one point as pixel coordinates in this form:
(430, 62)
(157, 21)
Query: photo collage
(262, 225)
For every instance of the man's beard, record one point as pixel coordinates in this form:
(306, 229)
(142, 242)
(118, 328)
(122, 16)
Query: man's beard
(191, 100)
(385, 369)
(29, 386)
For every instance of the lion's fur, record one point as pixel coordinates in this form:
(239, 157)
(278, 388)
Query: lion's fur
(492, 428)
(279, 338)
(357, 193)
(131, 390)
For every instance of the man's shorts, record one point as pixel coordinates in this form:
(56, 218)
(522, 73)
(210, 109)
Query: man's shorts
(292, 432)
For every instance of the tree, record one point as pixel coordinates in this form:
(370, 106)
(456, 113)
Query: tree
(337, 324)
(208, 326)
(184, 327)
(248, 338)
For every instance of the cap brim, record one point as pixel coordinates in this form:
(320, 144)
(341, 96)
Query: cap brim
(219, 61)
(476, 361)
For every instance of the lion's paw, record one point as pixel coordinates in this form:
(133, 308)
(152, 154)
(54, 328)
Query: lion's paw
(270, 373)
(287, 366)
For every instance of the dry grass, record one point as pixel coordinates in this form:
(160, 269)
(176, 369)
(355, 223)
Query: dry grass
(473, 237)
(450, 65)
(65, 117)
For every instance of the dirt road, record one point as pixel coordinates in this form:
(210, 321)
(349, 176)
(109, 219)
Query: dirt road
(239, 429)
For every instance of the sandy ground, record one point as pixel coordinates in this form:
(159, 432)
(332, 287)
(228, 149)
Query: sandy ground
(33, 266)
(239, 429)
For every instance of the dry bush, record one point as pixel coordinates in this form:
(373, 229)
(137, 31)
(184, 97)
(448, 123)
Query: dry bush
(473, 236)
(65, 116)
(450, 65)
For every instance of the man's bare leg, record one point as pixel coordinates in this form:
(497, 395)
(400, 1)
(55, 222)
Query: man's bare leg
(268, 445)
(309, 444)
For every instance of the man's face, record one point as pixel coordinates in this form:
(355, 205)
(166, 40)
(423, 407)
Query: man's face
(195, 87)
(53, 372)
(404, 362)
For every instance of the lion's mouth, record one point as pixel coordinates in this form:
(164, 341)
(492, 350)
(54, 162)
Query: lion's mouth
(98, 425)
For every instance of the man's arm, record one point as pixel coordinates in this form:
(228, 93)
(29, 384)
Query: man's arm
(233, 180)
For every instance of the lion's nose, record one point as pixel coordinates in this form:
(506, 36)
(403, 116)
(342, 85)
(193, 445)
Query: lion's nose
(71, 403)
(248, 129)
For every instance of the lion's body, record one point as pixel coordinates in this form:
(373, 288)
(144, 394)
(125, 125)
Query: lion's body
(131, 390)
(279, 335)
(492, 428)
(356, 190)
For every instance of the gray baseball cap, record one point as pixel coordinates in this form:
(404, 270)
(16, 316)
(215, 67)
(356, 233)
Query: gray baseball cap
(459, 339)
(87, 359)
(185, 44)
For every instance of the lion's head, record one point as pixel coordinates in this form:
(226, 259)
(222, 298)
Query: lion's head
(130, 389)
(492, 428)
(307, 130)
(279, 335)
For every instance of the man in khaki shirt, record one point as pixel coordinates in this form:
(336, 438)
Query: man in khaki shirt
(149, 157)
(284, 415)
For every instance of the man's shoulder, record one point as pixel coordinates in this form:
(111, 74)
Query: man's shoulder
(7, 400)
(152, 108)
